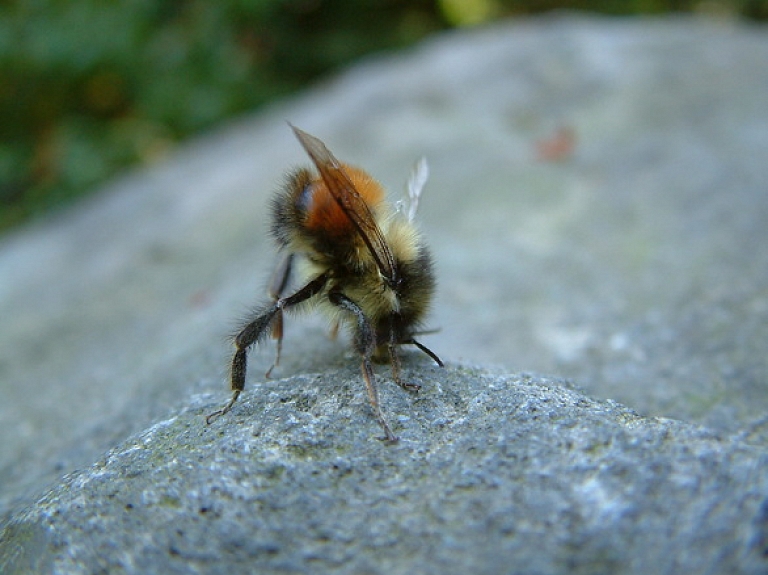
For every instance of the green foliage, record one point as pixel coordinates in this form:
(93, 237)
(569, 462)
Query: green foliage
(90, 86)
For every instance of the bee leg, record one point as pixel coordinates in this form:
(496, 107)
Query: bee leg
(394, 360)
(365, 345)
(280, 279)
(373, 397)
(334, 332)
(254, 331)
(247, 336)
(277, 334)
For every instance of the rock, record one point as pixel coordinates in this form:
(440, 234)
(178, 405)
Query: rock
(596, 209)
(491, 475)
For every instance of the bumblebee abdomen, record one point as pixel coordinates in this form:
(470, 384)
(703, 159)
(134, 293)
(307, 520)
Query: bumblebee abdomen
(307, 218)
(323, 214)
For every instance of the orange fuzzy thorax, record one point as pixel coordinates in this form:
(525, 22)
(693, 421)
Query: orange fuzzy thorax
(325, 215)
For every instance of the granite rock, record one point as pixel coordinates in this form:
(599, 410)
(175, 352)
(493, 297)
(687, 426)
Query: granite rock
(492, 474)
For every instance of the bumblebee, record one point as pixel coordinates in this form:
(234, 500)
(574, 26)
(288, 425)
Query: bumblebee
(364, 265)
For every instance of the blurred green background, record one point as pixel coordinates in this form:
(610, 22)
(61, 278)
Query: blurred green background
(88, 87)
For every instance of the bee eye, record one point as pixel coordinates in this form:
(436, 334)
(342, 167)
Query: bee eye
(303, 201)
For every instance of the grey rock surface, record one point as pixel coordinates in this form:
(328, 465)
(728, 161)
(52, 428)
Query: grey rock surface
(491, 475)
(629, 263)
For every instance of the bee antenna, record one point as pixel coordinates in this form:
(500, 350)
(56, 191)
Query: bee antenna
(426, 350)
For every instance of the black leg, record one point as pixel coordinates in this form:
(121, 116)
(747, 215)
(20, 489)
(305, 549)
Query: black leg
(365, 345)
(257, 329)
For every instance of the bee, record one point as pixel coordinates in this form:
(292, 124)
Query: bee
(365, 265)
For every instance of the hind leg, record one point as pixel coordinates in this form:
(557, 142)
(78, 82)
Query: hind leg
(255, 330)
(365, 345)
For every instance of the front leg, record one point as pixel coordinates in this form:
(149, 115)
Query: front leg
(256, 330)
(365, 345)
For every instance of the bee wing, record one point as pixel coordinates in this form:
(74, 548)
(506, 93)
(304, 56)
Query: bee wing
(345, 194)
(416, 181)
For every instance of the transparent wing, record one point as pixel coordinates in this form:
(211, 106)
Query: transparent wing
(416, 181)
